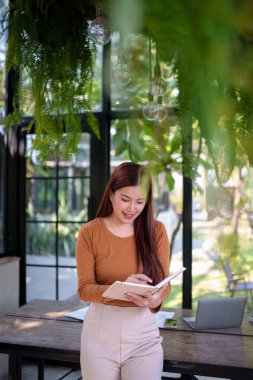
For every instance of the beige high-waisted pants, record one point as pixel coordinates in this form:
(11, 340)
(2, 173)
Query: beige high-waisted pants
(120, 343)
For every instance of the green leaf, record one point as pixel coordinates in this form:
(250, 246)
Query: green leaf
(170, 181)
(175, 143)
(119, 140)
(135, 140)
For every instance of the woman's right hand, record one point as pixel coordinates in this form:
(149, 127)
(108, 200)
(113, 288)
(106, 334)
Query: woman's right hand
(139, 279)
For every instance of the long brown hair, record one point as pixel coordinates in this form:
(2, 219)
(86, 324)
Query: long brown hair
(132, 174)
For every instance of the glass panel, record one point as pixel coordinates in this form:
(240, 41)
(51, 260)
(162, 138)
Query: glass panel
(40, 243)
(40, 283)
(33, 168)
(206, 271)
(168, 211)
(80, 164)
(73, 199)
(133, 59)
(67, 283)
(67, 240)
(71, 171)
(131, 63)
(222, 232)
(40, 199)
(96, 98)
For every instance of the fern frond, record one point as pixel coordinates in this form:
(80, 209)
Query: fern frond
(48, 41)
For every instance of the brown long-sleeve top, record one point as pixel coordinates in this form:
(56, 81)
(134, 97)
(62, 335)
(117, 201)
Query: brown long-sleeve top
(103, 258)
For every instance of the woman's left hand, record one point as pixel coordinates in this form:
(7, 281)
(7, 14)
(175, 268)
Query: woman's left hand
(151, 301)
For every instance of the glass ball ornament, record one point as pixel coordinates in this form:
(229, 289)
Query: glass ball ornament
(160, 112)
(121, 74)
(99, 31)
(149, 111)
(157, 86)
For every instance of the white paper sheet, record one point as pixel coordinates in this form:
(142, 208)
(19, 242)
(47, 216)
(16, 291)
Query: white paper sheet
(162, 315)
(78, 314)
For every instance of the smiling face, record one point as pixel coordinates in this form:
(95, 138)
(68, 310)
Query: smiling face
(127, 203)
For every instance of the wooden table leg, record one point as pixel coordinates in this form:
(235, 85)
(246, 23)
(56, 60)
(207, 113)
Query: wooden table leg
(41, 369)
(15, 367)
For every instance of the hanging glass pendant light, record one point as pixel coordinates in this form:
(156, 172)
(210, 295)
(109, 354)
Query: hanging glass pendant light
(160, 112)
(157, 86)
(149, 109)
(121, 71)
(98, 30)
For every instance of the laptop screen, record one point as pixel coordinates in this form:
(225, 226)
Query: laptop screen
(220, 312)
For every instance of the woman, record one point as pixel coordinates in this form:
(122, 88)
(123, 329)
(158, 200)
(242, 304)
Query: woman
(120, 339)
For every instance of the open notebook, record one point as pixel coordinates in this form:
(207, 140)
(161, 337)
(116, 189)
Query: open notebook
(118, 289)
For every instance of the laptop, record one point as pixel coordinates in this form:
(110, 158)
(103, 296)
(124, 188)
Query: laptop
(218, 313)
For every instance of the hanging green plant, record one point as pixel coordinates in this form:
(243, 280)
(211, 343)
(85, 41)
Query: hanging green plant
(48, 42)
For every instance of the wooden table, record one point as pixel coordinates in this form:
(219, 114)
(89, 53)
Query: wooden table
(40, 329)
